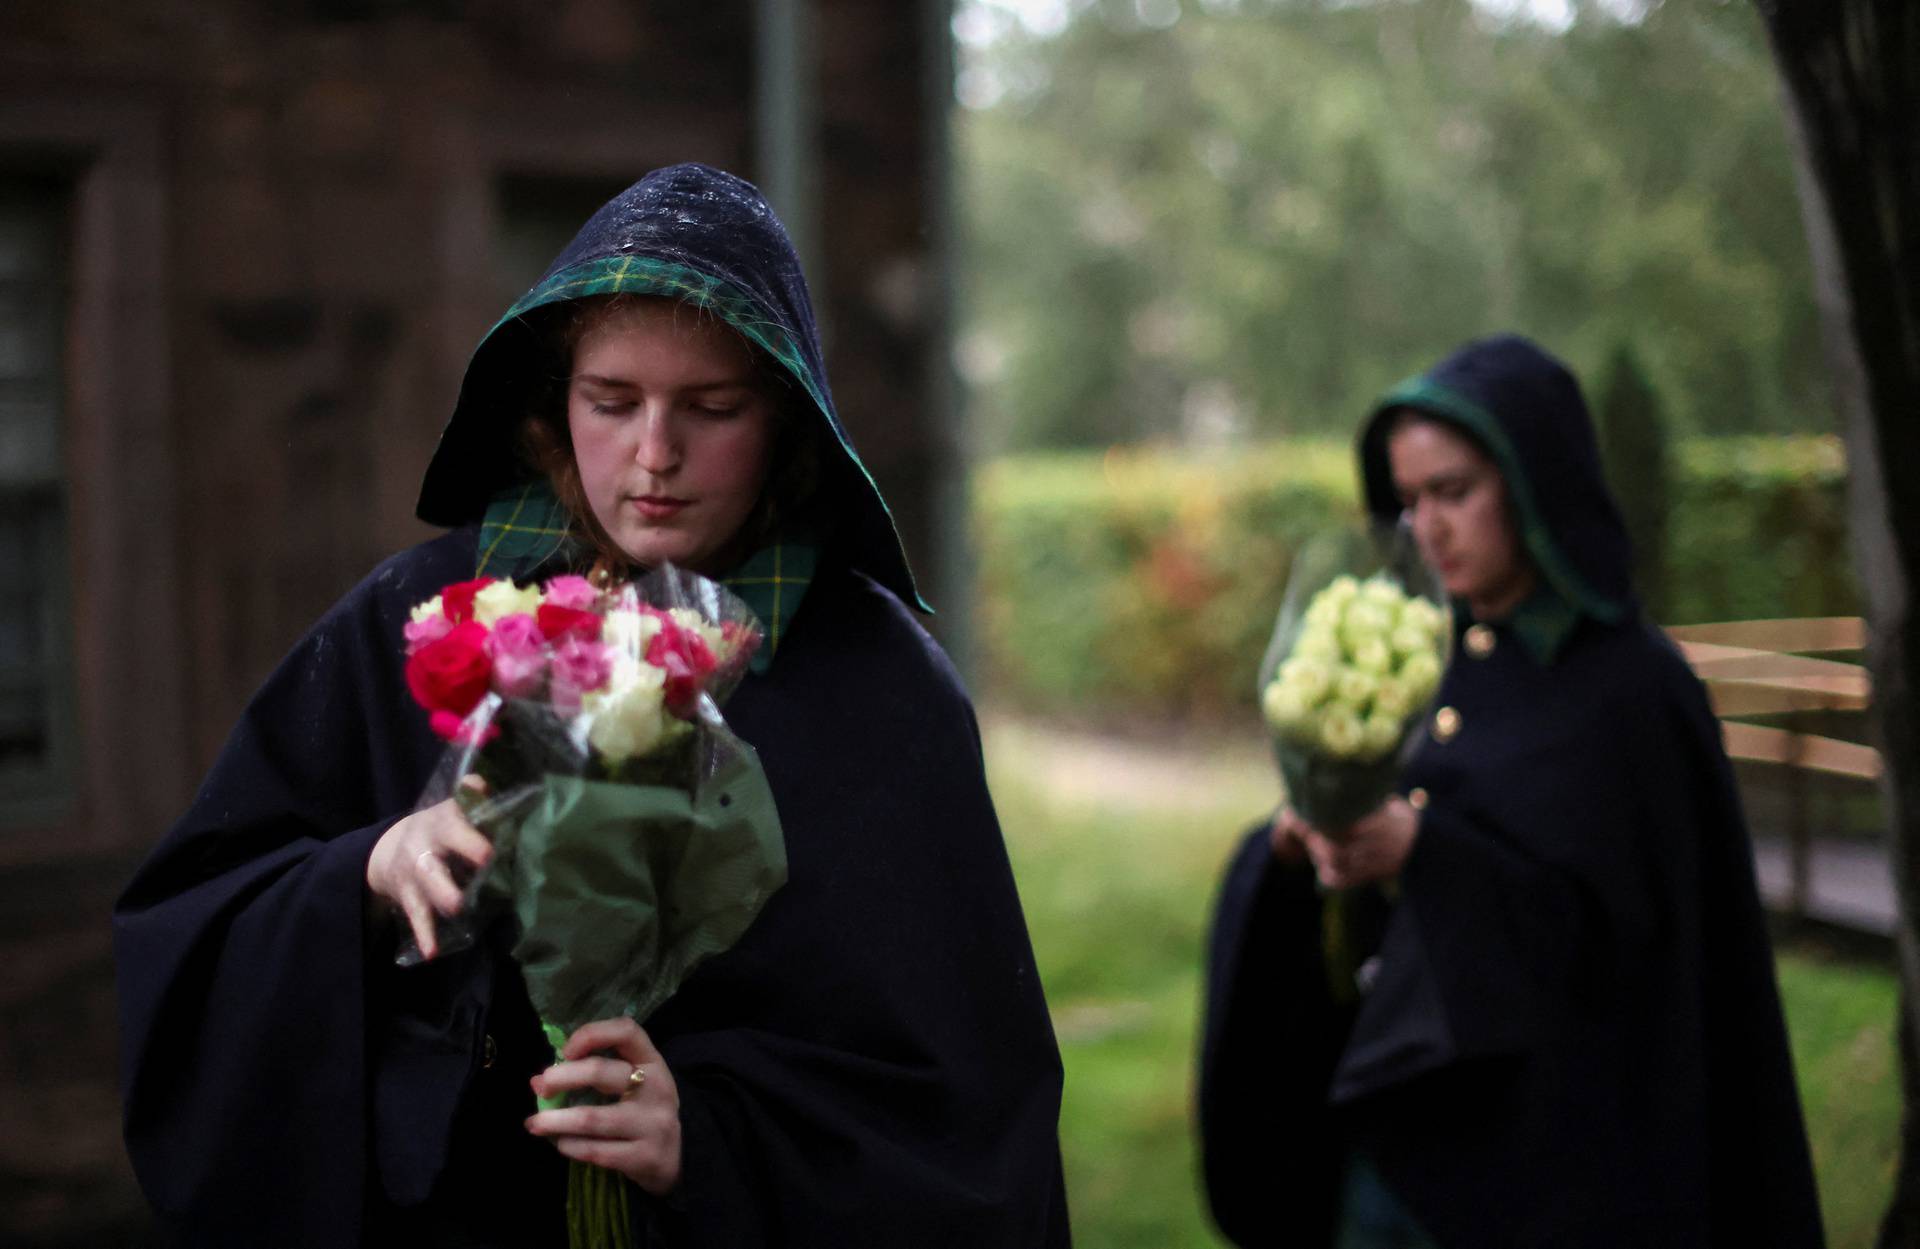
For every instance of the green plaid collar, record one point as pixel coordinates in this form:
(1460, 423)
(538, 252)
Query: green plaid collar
(526, 532)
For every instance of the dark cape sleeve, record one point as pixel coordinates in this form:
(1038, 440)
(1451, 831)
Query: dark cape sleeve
(873, 1064)
(1271, 1150)
(241, 946)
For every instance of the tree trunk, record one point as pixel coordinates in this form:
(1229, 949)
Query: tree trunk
(1851, 70)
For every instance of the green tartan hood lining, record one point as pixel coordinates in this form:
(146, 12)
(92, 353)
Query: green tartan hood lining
(645, 275)
(527, 534)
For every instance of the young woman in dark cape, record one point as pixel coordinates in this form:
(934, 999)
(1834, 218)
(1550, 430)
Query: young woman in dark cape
(872, 1064)
(1569, 1034)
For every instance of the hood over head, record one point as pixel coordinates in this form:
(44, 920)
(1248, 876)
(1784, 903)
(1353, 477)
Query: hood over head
(687, 232)
(1524, 408)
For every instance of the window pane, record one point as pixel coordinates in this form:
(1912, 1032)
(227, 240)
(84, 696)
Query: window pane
(35, 664)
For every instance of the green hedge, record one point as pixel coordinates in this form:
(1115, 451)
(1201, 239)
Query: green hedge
(1145, 582)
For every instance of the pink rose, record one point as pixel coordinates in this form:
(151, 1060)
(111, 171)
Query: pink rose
(572, 592)
(519, 652)
(420, 632)
(579, 666)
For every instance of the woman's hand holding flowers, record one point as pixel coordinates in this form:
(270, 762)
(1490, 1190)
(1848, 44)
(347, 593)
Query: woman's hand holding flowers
(1372, 850)
(638, 1135)
(408, 866)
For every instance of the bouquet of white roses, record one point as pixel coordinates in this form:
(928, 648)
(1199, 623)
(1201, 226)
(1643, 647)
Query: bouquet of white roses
(1355, 660)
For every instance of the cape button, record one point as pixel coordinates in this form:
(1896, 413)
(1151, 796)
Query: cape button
(1479, 640)
(1417, 798)
(489, 1052)
(1446, 724)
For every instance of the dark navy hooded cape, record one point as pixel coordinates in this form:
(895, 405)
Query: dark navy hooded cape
(871, 1065)
(1574, 1037)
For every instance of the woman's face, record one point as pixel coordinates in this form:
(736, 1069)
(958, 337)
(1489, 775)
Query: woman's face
(672, 430)
(1455, 500)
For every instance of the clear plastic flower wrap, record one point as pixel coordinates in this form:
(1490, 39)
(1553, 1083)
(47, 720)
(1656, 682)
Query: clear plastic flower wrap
(633, 834)
(1356, 657)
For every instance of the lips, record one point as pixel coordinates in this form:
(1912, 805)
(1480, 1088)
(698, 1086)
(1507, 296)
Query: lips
(659, 506)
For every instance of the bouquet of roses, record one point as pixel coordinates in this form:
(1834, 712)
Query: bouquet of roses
(1355, 660)
(1356, 657)
(633, 833)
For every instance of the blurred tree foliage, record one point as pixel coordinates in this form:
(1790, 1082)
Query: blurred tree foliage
(1633, 444)
(1143, 582)
(1209, 219)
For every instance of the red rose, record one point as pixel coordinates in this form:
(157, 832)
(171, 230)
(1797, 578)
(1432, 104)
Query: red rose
(456, 601)
(687, 661)
(451, 673)
(557, 622)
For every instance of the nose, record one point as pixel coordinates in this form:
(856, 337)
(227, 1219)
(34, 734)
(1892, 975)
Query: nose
(657, 449)
(1424, 518)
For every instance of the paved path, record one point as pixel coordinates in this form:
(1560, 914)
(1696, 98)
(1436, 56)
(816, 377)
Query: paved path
(1849, 883)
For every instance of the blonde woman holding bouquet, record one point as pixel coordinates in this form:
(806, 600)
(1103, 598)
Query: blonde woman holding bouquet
(1566, 1032)
(870, 1064)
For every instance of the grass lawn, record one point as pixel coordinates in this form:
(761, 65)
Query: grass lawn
(1117, 854)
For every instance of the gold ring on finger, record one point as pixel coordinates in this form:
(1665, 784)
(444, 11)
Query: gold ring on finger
(635, 1078)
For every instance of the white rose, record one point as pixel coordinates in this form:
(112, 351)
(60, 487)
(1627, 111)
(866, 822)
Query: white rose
(1309, 679)
(628, 632)
(1373, 656)
(499, 599)
(1284, 709)
(1421, 676)
(427, 611)
(629, 719)
(1418, 613)
(1353, 689)
(1391, 698)
(1380, 735)
(1365, 621)
(1382, 592)
(1342, 734)
(1341, 589)
(1318, 642)
(1411, 639)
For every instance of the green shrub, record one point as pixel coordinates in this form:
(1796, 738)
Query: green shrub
(1145, 582)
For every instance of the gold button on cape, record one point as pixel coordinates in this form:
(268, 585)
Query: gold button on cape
(1479, 641)
(1446, 724)
(1417, 798)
